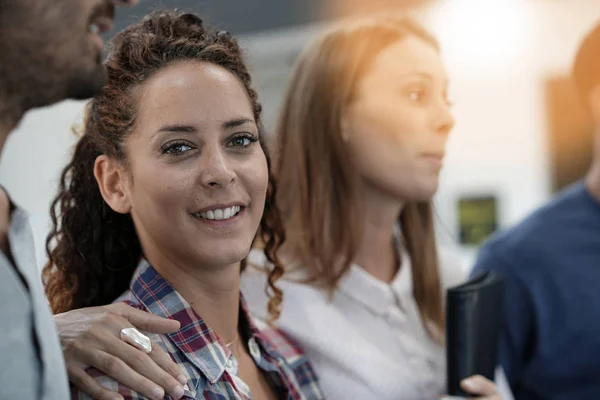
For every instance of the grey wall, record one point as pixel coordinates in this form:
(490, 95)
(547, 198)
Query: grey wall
(243, 16)
(237, 16)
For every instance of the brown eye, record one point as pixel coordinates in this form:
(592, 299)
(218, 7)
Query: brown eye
(242, 141)
(417, 95)
(175, 148)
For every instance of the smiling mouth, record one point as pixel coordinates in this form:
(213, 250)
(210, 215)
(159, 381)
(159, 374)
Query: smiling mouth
(219, 214)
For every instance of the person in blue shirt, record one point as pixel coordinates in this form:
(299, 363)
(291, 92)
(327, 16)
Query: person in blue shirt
(550, 263)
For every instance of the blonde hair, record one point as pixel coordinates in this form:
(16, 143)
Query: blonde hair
(316, 176)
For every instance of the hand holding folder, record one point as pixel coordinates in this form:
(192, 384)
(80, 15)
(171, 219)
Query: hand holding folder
(473, 323)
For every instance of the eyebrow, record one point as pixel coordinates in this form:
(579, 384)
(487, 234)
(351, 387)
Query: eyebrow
(177, 128)
(419, 74)
(424, 75)
(183, 128)
(237, 122)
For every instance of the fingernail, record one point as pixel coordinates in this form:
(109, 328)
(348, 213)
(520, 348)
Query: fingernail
(158, 393)
(178, 392)
(182, 379)
(469, 383)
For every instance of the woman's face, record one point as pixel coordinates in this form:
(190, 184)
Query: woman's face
(197, 174)
(398, 122)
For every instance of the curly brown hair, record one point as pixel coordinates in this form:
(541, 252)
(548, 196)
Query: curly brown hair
(93, 250)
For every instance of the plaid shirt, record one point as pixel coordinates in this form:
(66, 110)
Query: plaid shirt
(208, 362)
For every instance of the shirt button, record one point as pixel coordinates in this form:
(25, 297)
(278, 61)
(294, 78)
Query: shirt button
(231, 365)
(254, 349)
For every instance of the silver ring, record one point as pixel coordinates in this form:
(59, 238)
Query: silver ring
(136, 339)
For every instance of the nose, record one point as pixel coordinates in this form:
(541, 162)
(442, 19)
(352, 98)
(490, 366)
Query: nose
(215, 169)
(444, 120)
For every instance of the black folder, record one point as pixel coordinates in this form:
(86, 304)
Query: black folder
(473, 322)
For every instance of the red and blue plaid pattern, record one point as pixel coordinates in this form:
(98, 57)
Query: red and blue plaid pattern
(198, 350)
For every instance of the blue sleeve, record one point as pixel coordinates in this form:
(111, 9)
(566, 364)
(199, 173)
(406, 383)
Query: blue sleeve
(519, 314)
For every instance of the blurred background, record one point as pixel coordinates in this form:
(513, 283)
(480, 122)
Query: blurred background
(520, 134)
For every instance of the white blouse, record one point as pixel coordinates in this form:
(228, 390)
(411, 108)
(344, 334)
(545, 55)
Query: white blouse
(368, 342)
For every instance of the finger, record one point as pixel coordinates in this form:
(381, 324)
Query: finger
(165, 362)
(478, 385)
(144, 320)
(144, 365)
(122, 373)
(89, 386)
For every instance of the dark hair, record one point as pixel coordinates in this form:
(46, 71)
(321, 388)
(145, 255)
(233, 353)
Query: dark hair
(586, 68)
(93, 250)
(315, 172)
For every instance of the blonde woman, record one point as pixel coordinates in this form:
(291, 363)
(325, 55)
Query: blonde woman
(360, 144)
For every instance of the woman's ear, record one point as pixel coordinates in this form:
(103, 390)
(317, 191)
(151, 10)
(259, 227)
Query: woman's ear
(112, 180)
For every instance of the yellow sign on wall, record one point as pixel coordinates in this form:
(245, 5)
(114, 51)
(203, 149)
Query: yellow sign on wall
(478, 219)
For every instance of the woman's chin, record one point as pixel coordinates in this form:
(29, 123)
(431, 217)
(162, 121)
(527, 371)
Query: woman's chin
(426, 190)
(219, 257)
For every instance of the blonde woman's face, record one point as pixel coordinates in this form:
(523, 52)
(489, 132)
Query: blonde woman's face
(398, 123)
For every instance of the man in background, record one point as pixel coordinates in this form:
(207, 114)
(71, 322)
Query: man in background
(51, 51)
(550, 347)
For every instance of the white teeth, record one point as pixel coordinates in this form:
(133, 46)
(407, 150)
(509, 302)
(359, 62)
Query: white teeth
(95, 29)
(219, 214)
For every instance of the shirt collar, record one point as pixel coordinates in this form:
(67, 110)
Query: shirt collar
(257, 329)
(195, 339)
(367, 290)
(375, 294)
(402, 285)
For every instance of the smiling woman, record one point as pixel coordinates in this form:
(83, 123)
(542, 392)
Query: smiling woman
(165, 194)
